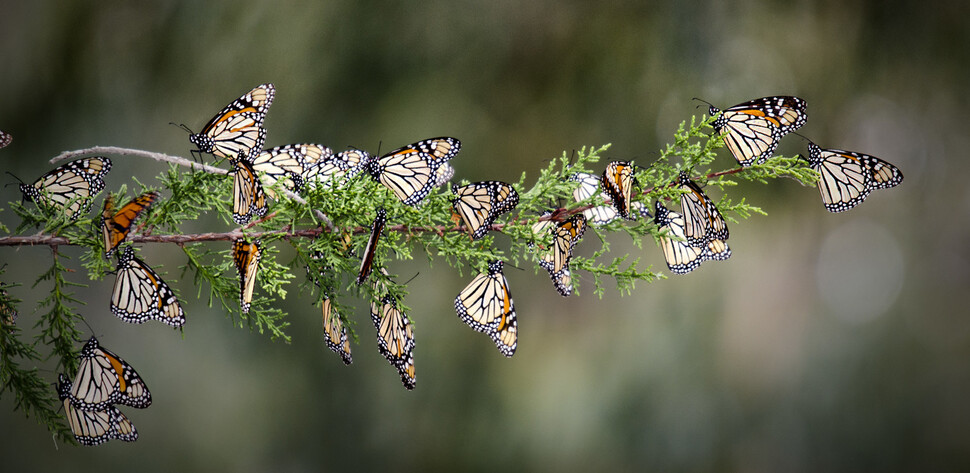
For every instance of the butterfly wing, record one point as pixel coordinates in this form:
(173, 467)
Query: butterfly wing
(367, 262)
(346, 164)
(5, 139)
(589, 185)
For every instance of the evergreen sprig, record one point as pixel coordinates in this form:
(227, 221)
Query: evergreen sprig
(325, 227)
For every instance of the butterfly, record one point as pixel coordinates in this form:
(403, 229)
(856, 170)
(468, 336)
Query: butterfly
(395, 339)
(367, 262)
(335, 332)
(681, 256)
(618, 183)
(846, 178)
(345, 164)
(754, 127)
(565, 237)
(104, 379)
(115, 225)
(237, 131)
(71, 186)
(542, 227)
(480, 203)
(248, 199)
(485, 305)
(94, 427)
(140, 295)
(411, 172)
(702, 221)
(246, 255)
(290, 164)
(5, 139)
(8, 314)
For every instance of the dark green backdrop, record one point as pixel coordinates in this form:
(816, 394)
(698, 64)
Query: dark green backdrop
(828, 342)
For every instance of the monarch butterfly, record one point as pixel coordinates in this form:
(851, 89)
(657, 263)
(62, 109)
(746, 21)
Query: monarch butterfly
(681, 256)
(248, 199)
(290, 164)
(5, 139)
(589, 185)
(702, 221)
(140, 295)
(618, 182)
(565, 237)
(846, 177)
(103, 379)
(411, 172)
(115, 225)
(542, 227)
(485, 305)
(70, 186)
(754, 127)
(480, 203)
(346, 164)
(94, 427)
(336, 333)
(367, 262)
(237, 131)
(395, 339)
(246, 255)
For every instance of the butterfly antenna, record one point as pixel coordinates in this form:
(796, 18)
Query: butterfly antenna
(182, 126)
(704, 101)
(506, 263)
(802, 136)
(412, 278)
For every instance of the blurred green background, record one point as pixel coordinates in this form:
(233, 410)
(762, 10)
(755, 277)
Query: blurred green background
(828, 342)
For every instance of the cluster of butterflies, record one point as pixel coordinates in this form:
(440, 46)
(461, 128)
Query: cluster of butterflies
(103, 381)
(697, 233)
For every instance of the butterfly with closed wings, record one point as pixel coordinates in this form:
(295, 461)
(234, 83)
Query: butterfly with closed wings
(480, 203)
(485, 305)
(69, 187)
(140, 295)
